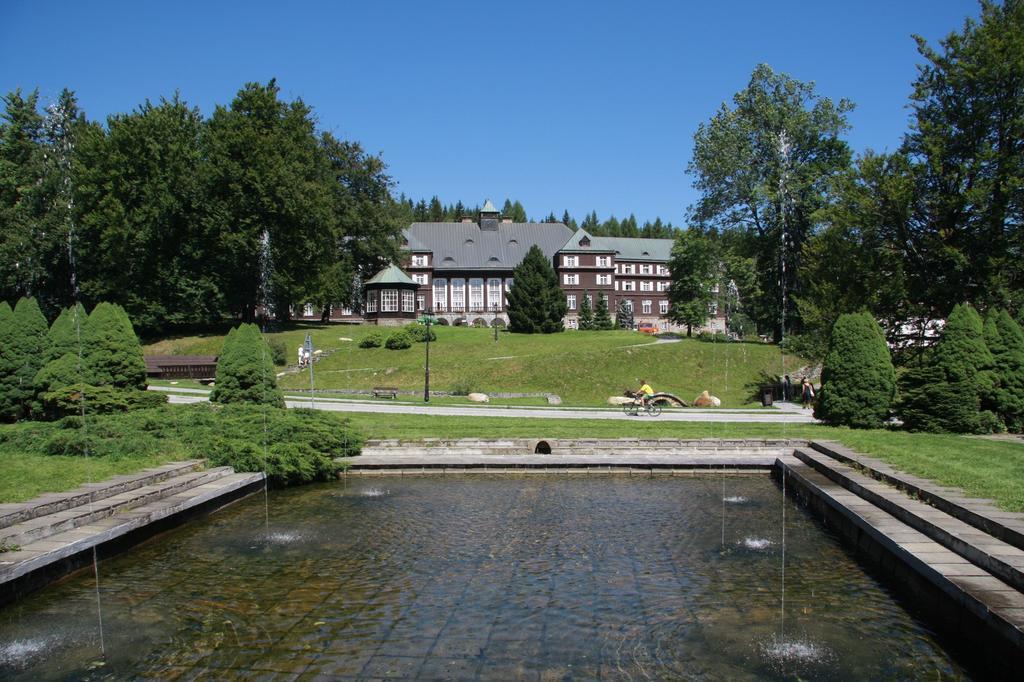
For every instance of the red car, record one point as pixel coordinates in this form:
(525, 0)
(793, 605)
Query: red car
(647, 328)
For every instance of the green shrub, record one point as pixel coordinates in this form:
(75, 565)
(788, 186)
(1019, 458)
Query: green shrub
(111, 352)
(372, 340)
(245, 373)
(278, 352)
(1005, 340)
(71, 399)
(23, 344)
(419, 332)
(858, 381)
(927, 402)
(713, 337)
(398, 340)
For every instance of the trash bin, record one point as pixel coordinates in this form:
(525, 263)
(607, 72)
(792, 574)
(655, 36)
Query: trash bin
(767, 394)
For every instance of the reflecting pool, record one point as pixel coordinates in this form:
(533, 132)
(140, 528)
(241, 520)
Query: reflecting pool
(483, 577)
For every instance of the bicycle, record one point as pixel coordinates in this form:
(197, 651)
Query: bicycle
(633, 409)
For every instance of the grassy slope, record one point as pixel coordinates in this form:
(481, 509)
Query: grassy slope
(583, 368)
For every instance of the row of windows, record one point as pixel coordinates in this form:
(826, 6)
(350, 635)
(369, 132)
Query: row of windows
(645, 306)
(476, 293)
(644, 286)
(642, 269)
(574, 261)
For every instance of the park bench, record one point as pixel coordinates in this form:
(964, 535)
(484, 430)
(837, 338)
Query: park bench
(385, 392)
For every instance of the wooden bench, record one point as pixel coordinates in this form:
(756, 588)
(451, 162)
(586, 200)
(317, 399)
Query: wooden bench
(385, 392)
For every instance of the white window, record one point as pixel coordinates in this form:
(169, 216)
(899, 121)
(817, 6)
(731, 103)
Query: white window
(664, 286)
(663, 307)
(307, 310)
(570, 302)
(646, 307)
(458, 294)
(476, 294)
(713, 308)
(419, 261)
(646, 269)
(604, 261)
(571, 261)
(441, 294)
(371, 302)
(572, 324)
(421, 278)
(589, 299)
(508, 284)
(421, 302)
(629, 286)
(494, 294)
(646, 286)
(627, 305)
(627, 269)
(571, 279)
(604, 279)
(408, 301)
(662, 270)
(389, 301)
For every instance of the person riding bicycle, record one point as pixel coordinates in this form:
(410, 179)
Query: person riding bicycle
(644, 393)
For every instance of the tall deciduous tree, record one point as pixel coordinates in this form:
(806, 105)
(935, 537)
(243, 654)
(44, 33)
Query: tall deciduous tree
(267, 180)
(694, 268)
(535, 301)
(763, 167)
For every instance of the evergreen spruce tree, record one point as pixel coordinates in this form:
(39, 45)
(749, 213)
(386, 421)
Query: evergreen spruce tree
(111, 352)
(245, 370)
(944, 394)
(586, 322)
(535, 302)
(602, 317)
(22, 353)
(858, 381)
(65, 332)
(1005, 340)
(624, 315)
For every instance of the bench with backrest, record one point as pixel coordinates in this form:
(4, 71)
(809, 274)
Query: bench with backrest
(385, 392)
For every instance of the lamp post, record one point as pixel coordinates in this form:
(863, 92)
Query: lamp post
(309, 355)
(428, 319)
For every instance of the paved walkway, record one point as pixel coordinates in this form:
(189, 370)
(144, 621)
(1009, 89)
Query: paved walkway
(788, 413)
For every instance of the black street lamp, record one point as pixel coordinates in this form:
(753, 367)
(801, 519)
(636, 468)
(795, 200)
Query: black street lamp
(428, 319)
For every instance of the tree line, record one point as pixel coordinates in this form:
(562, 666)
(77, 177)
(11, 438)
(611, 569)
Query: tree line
(186, 220)
(434, 211)
(792, 230)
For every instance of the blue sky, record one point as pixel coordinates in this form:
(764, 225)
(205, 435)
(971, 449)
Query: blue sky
(577, 105)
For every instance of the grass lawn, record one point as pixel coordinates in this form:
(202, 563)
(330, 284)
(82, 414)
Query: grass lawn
(981, 467)
(28, 475)
(583, 368)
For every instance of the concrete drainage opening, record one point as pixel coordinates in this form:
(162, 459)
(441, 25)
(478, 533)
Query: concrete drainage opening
(542, 448)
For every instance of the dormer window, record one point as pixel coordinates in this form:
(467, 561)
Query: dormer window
(585, 242)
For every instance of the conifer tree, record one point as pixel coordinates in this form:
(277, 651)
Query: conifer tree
(111, 352)
(602, 317)
(65, 332)
(535, 302)
(624, 315)
(944, 394)
(22, 353)
(858, 381)
(586, 321)
(245, 370)
(1005, 340)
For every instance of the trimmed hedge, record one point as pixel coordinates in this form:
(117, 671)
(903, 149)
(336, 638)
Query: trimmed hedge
(858, 381)
(372, 340)
(398, 340)
(245, 370)
(23, 345)
(111, 351)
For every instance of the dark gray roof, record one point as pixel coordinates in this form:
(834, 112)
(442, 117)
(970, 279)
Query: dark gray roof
(464, 246)
(573, 244)
(636, 248)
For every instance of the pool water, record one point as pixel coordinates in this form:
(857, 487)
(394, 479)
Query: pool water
(483, 577)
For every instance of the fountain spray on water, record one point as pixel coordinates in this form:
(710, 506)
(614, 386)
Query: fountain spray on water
(264, 309)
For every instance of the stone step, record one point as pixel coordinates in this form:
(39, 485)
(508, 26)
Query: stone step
(908, 554)
(982, 514)
(1001, 559)
(26, 533)
(60, 546)
(50, 503)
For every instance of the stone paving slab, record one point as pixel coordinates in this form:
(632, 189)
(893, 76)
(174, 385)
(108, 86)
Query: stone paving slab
(987, 598)
(982, 514)
(957, 537)
(48, 503)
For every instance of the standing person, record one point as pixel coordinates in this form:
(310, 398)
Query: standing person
(806, 393)
(302, 353)
(787, 389)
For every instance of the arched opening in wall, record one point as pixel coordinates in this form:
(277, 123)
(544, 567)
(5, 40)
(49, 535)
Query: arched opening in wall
(479, 322)
(442, 321)
(498, 322)
(542, 448)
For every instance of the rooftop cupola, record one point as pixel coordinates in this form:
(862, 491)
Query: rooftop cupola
(489, 217)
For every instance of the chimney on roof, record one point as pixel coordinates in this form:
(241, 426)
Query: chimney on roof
(489, 217)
